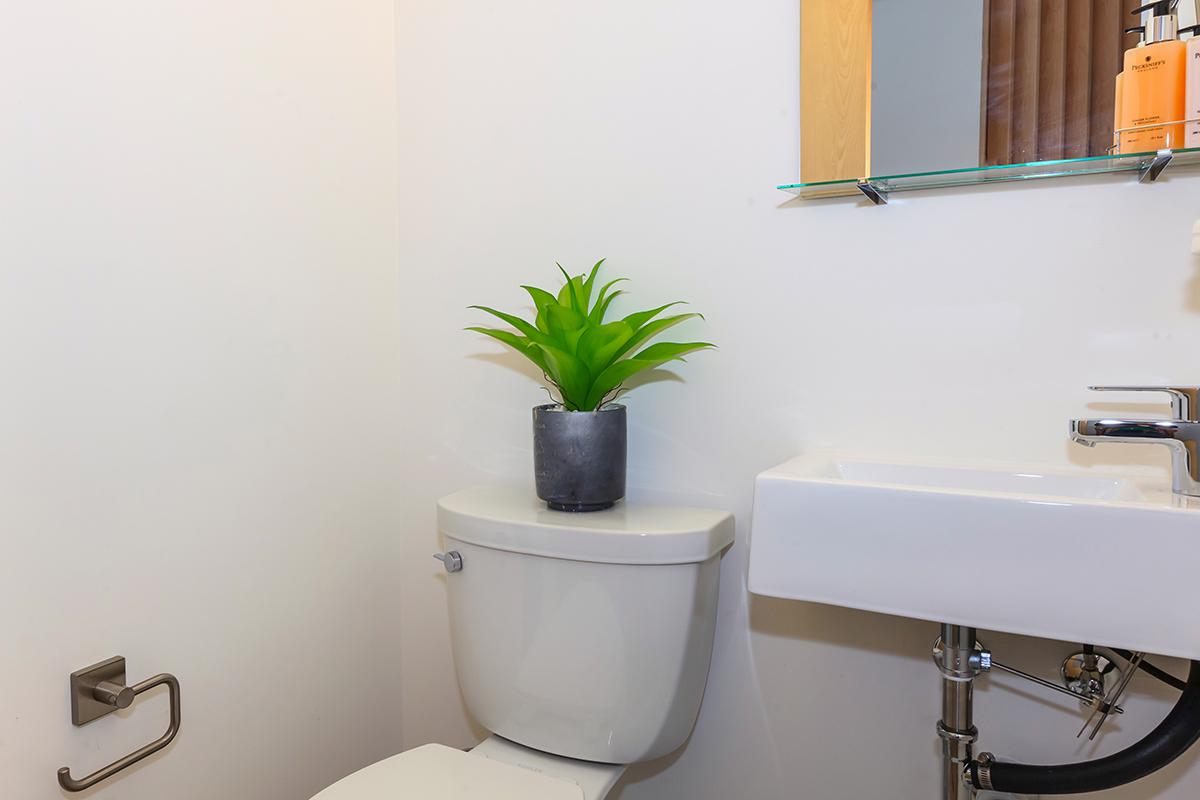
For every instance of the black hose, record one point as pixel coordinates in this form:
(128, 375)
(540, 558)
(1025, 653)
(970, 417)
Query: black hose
(1173, 736)
(1153, 671)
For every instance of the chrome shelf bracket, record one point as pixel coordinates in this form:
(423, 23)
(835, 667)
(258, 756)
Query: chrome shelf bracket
(99, 690)
(874, 193)
(1150, 171)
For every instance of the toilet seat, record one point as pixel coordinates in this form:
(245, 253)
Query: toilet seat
(437, 772)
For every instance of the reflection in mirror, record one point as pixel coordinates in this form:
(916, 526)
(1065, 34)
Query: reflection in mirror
(926, 84)
(891, 87)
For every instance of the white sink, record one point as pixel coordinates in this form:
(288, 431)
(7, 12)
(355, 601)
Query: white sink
(1095, 559)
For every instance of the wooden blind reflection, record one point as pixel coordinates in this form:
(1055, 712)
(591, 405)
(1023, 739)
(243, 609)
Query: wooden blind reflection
(1050, 68)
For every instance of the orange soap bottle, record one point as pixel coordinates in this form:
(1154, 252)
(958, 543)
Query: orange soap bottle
(1154, 82)
(1118, 97)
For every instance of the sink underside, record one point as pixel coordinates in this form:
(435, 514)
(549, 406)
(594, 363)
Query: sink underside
(1085, 558)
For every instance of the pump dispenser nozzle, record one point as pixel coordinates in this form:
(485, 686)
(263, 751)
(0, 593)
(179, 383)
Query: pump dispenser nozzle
(1160, 20)
(1158, 7)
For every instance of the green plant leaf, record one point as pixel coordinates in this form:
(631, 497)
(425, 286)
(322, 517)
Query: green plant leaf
(652, 329)
(640, 318)
(604, 289)
(518, 343)
(603, 301)
(524, 327)
(541, 299)
(571, 376)
(653, 356)
(566, 326)
(569, 294)
(599, 346)
(586, 288)
(669, 351)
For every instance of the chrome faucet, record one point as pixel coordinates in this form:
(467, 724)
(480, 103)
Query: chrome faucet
(1181, 433)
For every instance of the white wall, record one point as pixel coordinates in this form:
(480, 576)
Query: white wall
(956, 324)
(199, 350)
(222, 435)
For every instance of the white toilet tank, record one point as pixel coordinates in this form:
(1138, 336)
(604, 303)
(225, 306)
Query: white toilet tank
(584, 635)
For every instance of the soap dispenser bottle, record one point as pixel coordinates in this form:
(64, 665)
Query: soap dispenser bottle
(1191, 111)
(1154, 82)
(1140, 30)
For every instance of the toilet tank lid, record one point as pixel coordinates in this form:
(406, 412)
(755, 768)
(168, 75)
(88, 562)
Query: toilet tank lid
(515, 520)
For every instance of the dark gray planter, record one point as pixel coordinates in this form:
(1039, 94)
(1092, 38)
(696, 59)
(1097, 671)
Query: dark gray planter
(579, 457)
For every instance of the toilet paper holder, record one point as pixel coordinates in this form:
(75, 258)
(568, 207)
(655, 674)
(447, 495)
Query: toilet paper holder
(99, 690)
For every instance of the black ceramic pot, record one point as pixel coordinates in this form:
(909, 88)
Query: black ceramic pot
(579, 457)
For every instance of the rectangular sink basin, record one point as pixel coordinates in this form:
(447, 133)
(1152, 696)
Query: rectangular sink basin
(1096, 559)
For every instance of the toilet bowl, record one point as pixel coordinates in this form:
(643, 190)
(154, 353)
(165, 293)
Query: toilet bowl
(496, 769)
(582, 641)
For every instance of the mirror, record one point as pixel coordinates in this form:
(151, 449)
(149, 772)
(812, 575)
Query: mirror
(894, 87)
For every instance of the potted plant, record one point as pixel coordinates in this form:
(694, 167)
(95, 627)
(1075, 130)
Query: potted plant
(579, 443)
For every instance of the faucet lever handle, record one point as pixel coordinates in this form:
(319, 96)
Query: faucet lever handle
(1185, 400)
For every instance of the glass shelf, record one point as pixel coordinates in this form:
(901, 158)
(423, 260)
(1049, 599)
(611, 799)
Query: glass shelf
(1147, 165)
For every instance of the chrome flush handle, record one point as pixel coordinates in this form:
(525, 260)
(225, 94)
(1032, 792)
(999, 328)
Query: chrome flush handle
(451, 560)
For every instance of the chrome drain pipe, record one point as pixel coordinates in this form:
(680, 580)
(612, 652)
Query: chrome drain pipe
(961, 659)
(959, 662)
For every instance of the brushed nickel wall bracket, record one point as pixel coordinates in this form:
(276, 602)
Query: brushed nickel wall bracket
(99, 690)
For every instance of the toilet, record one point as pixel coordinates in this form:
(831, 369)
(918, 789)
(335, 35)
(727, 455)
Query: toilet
(582, 641)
